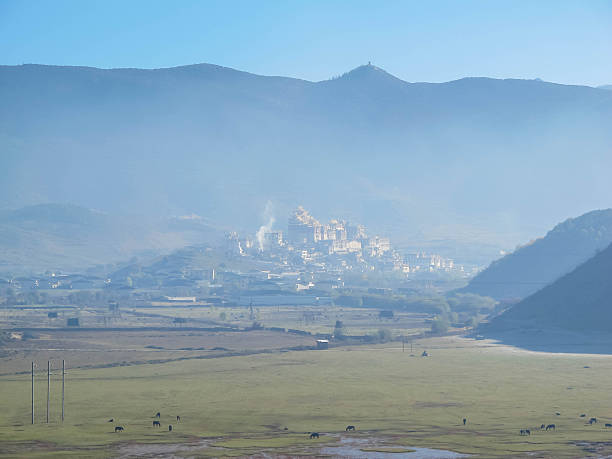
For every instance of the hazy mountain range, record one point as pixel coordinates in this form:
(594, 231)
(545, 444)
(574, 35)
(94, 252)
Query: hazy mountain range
(542, 261)
(469, 166)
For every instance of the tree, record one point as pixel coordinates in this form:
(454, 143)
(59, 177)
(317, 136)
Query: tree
(384, 335)
(439, 324)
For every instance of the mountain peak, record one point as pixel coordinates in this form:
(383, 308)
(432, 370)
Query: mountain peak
(369, 73)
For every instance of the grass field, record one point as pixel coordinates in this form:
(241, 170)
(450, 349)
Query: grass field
(240, 405)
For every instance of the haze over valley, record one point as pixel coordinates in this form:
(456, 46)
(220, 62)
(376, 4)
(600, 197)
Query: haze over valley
(469, 167)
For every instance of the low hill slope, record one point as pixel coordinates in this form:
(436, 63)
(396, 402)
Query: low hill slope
(539, 263)
(579, 301)
(68, 237)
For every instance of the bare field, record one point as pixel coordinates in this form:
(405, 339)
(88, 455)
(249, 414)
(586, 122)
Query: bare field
(130, 347)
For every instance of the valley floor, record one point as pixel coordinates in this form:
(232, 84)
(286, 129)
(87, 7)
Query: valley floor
(266, 404)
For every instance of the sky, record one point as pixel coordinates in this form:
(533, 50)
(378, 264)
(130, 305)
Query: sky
(555, 40)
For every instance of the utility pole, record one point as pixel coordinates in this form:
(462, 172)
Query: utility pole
(48, 387)
(63, 386)
(32, 393)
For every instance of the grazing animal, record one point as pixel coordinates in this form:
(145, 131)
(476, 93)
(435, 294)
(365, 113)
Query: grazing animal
(543, 426)
(525, 432)
(558, 414)
(592, 420)
(111, 420)
(608, 425)
(286, 428)
(314, 435)
(118, 429)
(157, 415)
(424, 354)
(528, 431)
(156, 424)
(464, 421)
(350, 428)
(583, 415)
(170, 428)
(550, 427)
(178, 419)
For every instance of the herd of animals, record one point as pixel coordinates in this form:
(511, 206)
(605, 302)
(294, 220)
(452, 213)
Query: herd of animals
(547, 427)
(156, 423)
(351, 428)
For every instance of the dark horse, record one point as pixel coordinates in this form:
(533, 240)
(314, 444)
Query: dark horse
(170, 428)
(178, 419)
(464, 421)
(543, 426)
(156, 424)
(525, 432)
(314, 435)
(157, 415)
(350, 428)
(608, 425)
(118, 429)
(592, 420)
(550, 427)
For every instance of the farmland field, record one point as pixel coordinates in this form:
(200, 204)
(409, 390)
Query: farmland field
(241, 405)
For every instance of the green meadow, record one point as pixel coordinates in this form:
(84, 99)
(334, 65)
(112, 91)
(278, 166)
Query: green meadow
(241, 405)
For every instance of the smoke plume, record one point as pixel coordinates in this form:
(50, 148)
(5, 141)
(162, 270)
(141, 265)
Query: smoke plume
(267, 227)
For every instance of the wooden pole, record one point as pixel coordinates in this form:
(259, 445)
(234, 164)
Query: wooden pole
(403, 343)
(32, 392)
(63, 386)
(48, 387)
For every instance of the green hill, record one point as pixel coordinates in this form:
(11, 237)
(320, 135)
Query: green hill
(579, 301)
(535, 265)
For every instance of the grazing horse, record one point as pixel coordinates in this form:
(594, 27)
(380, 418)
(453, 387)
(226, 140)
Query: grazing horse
(350, 428)
(170, 428)
(464, 421)
(583, 415)
(592, 420)
(550, 427)
(178, 419)
(157, 415)
(156, 424)
(525, 432)
(314, 435)
(608, 425)
(118, 429)
(543, 426)
(111, 420)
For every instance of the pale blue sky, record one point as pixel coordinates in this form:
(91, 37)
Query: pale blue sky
(556, 40)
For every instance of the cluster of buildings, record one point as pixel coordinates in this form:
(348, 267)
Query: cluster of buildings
(336, 246)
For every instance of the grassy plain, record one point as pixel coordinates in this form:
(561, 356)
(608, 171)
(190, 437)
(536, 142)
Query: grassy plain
(241, 405)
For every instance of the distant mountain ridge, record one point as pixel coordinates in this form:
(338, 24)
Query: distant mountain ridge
(473, 156)
(535, 265)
